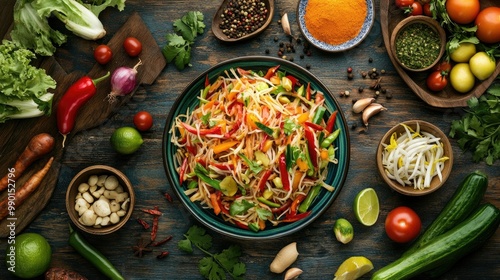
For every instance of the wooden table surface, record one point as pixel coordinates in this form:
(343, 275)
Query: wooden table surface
(320, 253)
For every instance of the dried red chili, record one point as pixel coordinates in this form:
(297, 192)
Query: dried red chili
(143, 223)
(154, 230)
(163, 241)
(162, 255)
(167, 197)
(154, 212)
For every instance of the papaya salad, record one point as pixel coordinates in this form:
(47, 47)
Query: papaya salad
(256, 149)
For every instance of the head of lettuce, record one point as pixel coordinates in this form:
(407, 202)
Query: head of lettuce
(23, 87)
(32, 30)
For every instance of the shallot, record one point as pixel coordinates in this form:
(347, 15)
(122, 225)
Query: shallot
(123, 81)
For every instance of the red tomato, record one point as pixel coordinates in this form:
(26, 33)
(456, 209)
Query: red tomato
(103, 54)
(488, 25)
(437, 80)
(403, 3)
(442, 66)
(402, 224)
(427, 9)
(462, 11)
(132, 46)
(416, 9)
(143, 120)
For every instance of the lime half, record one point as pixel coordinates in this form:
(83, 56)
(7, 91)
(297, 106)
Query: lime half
(366, 207)
(353, 268)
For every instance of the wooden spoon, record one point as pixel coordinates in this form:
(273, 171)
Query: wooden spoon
(223, 37)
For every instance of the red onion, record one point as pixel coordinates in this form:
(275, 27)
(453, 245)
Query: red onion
(123, 81)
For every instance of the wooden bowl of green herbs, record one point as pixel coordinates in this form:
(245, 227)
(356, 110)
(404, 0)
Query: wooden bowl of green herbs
(418, 43)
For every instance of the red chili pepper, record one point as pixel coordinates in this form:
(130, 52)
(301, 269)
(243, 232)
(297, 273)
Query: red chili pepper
(285, 179)
(143, 223)
(296, 202)
(182, 170)
(241, 225)
(156, 219)
(223, 166)
(314, 126)
(271, 71)
(202, 131)
(311, 145)
(330, 124)
(264, 178)
(163, 241)
(207, 81)
(292, 79)
(162, 255)
(308, 91)
(77, 94)
(282, 208)
(296, 217)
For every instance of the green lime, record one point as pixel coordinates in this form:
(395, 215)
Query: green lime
(126, 140)
(366, 207)
(29, 257)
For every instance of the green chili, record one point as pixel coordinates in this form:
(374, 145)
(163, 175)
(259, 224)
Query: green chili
(90, 253)
(254, 227)
(202, 173)
(313, 193)
(267, 202)
(318, 115)
(192, 185)
(267, 130)
(330, 138)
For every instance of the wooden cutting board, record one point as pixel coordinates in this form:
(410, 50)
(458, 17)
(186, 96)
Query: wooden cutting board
(15, 134)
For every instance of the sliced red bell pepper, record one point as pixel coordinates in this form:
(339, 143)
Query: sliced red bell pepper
(192, 149)
(202, 131)
(314, 126)
(293, 79)
(285, 178)
(311, 145)
(296, 202)
(235, 128)
(330, 124)
(271, 71)
(282, 208)
(223, 166)
(296, 217)
(182, 170)
(207, 81)
(263, 179)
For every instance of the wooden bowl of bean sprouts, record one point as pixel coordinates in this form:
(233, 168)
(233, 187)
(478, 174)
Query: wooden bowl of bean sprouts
(414, 158)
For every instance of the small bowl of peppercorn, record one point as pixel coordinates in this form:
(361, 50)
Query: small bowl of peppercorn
(418, 43)
(240, 20)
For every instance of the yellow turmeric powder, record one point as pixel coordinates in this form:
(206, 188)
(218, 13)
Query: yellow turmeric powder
(335, 21)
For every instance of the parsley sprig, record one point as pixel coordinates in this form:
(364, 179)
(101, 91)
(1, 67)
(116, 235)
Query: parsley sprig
(213, 266)
(479, 129)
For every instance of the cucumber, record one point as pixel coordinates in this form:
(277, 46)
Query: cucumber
(466, 198)
(446, 248)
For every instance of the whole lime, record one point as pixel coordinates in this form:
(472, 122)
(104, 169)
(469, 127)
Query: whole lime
(126, 140)
(30, 256)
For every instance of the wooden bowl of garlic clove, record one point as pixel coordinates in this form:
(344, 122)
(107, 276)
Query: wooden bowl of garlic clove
(100, 199)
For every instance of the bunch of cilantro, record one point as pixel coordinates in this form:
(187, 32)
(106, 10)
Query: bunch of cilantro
(23, 87)
(479, 129)
(178, 48)
(214, 266)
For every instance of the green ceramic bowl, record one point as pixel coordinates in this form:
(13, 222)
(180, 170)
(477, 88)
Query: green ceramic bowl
(337, 173)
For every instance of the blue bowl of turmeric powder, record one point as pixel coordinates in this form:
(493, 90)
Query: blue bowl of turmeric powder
(337, 25)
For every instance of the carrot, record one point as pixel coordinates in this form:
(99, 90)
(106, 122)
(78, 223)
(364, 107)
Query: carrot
(215, 203)
(23, 193)
(40, 145)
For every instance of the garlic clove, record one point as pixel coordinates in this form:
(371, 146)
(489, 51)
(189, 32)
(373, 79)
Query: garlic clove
(286, 24)
(370, 111)
(293, 273)
(361, 104)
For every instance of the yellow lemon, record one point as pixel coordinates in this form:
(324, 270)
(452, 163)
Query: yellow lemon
(353, 268)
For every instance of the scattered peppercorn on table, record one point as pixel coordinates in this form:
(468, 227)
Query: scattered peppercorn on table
(370, 74)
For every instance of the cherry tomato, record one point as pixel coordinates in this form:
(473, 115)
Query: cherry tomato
(437, 80)
(402, 224)
(427, 9)
(103, 54)
(415, 9)
(462, 11)
(132, 46)
(488, 25)
(442, 66)
(403, 3)
(143, 120)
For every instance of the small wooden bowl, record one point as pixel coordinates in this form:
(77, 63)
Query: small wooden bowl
(416, 20)
(435, 183)
(223, 37)
(82, 177)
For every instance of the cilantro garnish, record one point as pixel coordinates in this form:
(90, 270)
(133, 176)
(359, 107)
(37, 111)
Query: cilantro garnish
(178, 48)
(213, 266)
(479, 129)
